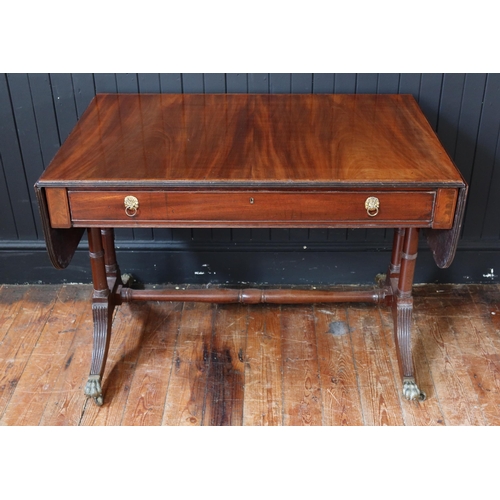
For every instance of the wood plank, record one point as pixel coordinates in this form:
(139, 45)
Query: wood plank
(366, 83)
(84, 90)
(17, 346)
(301, 379)
(171, 83)
(8, 229)
(258, 83)
(456, 353)
(486, 300)
(11, 302)
(226, 373)
(414, 412)
(47, 359)
(339, 388)
(482, 362)
(214, 83)
(67, 403)
(345, 83)
(409, 83)
(478, 339)
(127, 332)
(323, 83)
(430, 96)
(236, 83)
(437, 309)
(280, 83)
(188, 381)
(43, 108)
(491, 224)
(148, 82)
(148, 390)
(262, 400)
(301, 83)
(443, 300)
(64, 103)
(376, 380)
(388, 83)
(484, 160)
(24, 116)
(105, 83)
(468, 126)
(13, 168)
(453, 387)
(449, 110)
(192, 83)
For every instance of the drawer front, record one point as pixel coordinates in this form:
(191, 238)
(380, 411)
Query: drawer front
(247, 208)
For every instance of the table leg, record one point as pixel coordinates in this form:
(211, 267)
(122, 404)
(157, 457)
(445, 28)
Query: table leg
(402, 307)
(102, 310)
(397, 245)
(108, 244)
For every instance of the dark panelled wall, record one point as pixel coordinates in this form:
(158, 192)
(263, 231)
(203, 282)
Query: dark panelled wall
(38, 111)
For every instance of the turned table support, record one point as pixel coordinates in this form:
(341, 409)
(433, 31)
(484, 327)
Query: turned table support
(106, 279)
(401, 272)
(110, 292)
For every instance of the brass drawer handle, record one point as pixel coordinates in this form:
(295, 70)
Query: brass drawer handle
(372, 205)
(131, 205)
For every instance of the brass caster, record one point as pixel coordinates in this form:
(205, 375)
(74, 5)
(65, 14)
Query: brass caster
(380, 279)
(93, 389)
(411, 392)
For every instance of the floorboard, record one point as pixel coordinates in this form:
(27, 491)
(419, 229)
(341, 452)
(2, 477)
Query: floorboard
(231, 365)
(21, 337)
(187, 389)
(262, 398)
(339, 387)
(377, 383)
(148, 391)
(48, 358)
(299, 361)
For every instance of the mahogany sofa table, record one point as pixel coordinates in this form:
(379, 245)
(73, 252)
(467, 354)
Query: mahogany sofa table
(289, 161)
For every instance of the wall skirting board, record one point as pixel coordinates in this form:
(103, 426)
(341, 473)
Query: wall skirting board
(280, 263)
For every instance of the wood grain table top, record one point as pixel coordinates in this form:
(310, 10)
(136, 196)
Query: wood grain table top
(252, 140)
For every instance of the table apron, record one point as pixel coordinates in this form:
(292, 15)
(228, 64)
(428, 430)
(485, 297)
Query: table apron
(252, 209)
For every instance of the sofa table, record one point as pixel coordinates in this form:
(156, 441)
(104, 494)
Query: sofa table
(219, 160)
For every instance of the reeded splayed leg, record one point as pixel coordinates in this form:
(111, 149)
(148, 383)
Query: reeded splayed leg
(102, 310)
(402, 307)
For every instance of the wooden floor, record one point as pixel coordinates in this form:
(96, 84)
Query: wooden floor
(202, 364)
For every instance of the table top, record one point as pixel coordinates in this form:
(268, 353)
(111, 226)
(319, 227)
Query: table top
(252, 140)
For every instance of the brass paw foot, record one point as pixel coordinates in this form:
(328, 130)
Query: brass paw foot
(411, 391)
(93, 389)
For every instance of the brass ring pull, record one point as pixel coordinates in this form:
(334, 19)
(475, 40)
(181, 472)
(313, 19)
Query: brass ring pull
(131, 205)
(372, 205)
